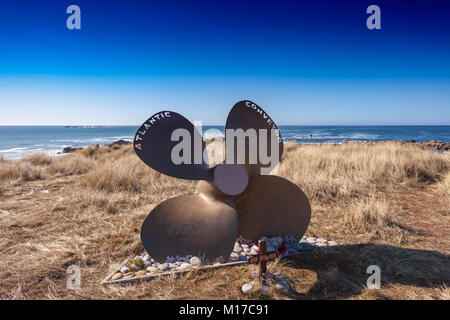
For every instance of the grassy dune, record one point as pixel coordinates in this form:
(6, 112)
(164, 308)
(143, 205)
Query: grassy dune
(385, 204)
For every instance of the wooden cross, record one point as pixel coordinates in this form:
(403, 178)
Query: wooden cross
(262, 257)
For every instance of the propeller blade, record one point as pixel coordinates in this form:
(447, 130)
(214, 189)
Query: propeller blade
(272, 206)
(247, 115)
(170, 144)
(190, 225)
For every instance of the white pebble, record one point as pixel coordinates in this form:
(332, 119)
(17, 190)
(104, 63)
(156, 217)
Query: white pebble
(195, 261)
(321, 240)
(124, 269)
(152, 269)
(164, 267)
(234, 255)
(184, 266)
(237, 249)
(146, 258)
(246, 288)
(332, 243)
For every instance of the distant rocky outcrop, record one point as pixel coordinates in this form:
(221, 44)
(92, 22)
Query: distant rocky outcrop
(436, 145)
(70, 149)
(432, 145)
(119, 143)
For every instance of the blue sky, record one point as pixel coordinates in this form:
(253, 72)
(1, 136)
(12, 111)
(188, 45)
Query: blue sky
(305, 62)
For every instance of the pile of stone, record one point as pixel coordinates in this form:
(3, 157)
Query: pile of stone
(285, 246)
(143, 266)
(439, 146)
(275, 281)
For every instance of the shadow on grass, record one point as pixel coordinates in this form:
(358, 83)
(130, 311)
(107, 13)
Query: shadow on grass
(340, 271)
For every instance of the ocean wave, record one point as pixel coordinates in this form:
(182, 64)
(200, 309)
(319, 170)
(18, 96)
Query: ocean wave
(13, 150)
(213, 133)
(315, 136)
(95, 140)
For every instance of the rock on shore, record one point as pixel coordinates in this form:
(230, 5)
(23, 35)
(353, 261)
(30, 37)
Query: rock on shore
(432, 145)
(110, 145)
(70, 149)
(119, 143)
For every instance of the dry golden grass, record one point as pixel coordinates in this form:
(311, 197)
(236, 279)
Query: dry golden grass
(24, 171)
(444, 293)
(443, 192)
(380, 202)
(367, 215)
(75, 164)
(354, 169)
(38, 159)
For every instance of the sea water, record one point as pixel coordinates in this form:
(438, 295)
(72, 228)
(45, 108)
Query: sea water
(18, 141)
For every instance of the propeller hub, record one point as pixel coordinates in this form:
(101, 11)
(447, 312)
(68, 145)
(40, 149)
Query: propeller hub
(231, 179)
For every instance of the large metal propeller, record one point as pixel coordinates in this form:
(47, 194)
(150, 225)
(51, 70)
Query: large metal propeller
(233, 197)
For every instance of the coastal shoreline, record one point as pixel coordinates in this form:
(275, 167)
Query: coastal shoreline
(18, 142)
(432, 145)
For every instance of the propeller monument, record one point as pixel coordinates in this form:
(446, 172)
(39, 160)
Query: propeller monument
(234, 197)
